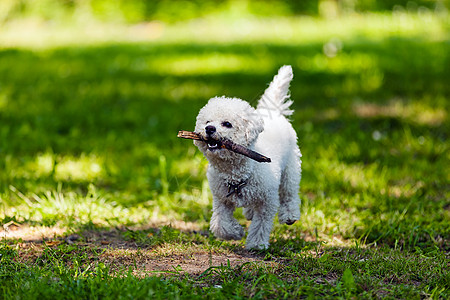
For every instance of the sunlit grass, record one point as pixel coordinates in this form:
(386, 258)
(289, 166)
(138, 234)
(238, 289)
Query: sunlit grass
(203, 64)
(279, 30)
(72, 210)
(415, 112)
(83, 168)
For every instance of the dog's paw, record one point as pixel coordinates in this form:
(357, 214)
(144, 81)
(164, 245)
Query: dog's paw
(288, 214)
(255, 245)
(288, 220)
(231, 232)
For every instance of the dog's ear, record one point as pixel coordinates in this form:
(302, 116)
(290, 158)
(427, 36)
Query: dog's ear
(254, 124)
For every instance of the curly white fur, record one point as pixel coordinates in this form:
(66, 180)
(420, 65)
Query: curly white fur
(267, 188)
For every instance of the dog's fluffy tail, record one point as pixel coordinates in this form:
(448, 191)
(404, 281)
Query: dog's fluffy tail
(276, 96)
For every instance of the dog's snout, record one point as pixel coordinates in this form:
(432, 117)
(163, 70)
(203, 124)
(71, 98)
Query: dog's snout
(210, 129)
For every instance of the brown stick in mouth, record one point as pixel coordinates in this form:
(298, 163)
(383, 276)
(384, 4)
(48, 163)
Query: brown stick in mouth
(226, 144)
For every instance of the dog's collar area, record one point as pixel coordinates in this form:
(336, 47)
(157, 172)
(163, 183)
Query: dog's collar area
(235, 188)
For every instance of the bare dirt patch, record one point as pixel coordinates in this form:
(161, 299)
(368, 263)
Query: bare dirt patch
(196, 261)
(15, 231)
(111, 248)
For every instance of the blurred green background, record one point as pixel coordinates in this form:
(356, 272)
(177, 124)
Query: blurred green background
(183, 10)
(92, 94)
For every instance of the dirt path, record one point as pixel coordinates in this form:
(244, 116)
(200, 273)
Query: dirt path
(110, 247)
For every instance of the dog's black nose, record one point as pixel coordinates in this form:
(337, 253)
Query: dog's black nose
(210, 129)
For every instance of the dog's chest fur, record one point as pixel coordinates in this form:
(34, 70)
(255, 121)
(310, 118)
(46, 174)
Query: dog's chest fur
(241, 190)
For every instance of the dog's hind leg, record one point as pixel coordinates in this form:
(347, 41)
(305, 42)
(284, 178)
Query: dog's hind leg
(223, 225)
(289, 210)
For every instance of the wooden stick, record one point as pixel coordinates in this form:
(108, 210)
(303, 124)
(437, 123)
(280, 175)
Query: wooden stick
(244, 151)
(189, 135)
(226, 144)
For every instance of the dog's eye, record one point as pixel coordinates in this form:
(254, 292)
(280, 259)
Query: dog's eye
(227, 124)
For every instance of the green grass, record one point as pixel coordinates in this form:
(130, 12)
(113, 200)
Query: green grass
(88, 144)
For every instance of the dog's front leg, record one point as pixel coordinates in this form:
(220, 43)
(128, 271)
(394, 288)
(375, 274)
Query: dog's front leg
(223, 224)
(261, 226)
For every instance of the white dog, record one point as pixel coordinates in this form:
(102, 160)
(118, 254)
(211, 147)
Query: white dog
(263, 189)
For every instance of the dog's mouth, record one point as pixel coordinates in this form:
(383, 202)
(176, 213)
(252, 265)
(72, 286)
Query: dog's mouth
(213, 144)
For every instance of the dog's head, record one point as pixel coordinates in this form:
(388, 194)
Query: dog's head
(229, 118)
